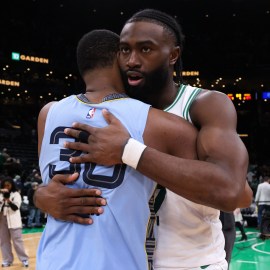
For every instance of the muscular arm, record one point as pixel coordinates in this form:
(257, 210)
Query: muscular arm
(170, 134)
(218, 143)
(219, 178)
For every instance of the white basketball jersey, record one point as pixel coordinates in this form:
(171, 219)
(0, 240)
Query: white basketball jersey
(188, 234)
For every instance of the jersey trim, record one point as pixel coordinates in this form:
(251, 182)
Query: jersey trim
(180, 93)
(190, 101)
(182, 89)
(110, 97)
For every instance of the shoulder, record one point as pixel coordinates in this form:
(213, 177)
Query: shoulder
(41, 122)
(213, 98)
(212, 107)
(44, 110)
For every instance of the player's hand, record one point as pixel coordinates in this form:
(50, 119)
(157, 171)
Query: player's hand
(66, 203)
(103, 146)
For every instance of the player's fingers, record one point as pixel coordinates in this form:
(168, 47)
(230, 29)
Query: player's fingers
(84, 197)
(109, 117)
(84, 147)
(72, 132)
(80, 220)
(65, 178)
(78, 134)
(96, 201)
(86, 210)
(75, 195)
(81, 159)
(84, 127)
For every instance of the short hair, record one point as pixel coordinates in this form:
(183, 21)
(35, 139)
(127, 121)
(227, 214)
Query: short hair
(34, 184)
(170, 25)
(9, 179)
(97, 49)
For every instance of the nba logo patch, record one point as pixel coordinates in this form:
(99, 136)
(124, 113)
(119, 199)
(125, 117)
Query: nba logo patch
(91, 113)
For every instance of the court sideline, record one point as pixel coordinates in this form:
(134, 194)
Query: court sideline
(253, 254)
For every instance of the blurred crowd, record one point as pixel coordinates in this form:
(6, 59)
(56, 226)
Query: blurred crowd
(26, 182)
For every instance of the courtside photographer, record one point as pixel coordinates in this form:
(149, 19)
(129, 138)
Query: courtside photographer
(11, 223)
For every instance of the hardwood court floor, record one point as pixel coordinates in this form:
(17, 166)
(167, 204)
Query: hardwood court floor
(253, 254)
(31, 239)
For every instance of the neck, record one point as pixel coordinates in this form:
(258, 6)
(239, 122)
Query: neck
(165, 98)
(98, 96)
(101, 83)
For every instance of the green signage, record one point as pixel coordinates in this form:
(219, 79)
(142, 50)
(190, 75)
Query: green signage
(15, 56)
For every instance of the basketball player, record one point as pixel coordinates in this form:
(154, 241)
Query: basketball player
(116, 240)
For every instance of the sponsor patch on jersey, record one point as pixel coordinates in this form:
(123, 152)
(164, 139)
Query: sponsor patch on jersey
(91, 113)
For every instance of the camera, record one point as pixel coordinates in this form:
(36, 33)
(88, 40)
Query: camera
(6, 195)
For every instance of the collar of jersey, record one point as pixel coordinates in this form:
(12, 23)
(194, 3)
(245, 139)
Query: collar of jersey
(109, 97)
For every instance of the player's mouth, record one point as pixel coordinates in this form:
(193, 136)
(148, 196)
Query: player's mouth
(134, 78)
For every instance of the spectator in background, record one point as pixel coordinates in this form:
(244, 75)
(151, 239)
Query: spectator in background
(239, 223)
(228, 229)
(262, 198)
(37, 178)
(18, 182)
(250, 175)
(3, 158)
(5, 153)
(11, 223)
(254, 183)
(34, 176)
(12, 166)
(34, 212)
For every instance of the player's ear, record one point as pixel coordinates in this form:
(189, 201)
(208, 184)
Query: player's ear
(175, 54)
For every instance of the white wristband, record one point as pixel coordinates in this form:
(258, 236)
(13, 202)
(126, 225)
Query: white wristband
(132, 153)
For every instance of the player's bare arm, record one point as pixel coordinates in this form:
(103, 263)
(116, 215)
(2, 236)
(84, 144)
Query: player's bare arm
(223, 163)
(216, 117)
